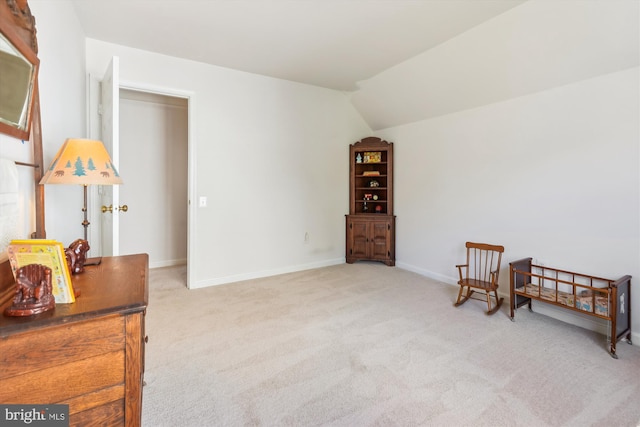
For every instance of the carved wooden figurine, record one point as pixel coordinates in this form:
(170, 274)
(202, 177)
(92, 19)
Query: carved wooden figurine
(76, 255)
(33, 291)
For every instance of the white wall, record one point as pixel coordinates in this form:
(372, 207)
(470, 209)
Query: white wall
(271, 156)
(552, 175)
(62, 100)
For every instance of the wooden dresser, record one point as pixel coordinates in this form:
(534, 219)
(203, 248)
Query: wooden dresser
(90, 354)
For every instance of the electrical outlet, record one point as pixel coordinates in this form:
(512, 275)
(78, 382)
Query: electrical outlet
(202, 202)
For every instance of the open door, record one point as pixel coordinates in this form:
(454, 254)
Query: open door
(109, 194)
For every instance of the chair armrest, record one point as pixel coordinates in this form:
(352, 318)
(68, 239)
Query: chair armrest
(460, 267)
(494, 277)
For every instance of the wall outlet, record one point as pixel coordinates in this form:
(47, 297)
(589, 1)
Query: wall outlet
(202, 202)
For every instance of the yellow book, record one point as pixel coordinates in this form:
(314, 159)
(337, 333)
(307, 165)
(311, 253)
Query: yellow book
(45, 252)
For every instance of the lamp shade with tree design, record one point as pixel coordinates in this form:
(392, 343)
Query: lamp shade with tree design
(84, 162)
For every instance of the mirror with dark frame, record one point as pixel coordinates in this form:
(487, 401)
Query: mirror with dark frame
(18, 72)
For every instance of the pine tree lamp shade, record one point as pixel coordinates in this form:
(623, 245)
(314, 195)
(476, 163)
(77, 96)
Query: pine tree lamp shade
(84, 162)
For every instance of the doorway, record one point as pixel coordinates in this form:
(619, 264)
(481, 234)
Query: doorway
(154, 159)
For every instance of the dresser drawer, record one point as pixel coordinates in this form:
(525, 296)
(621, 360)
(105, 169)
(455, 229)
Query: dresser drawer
(61, 363)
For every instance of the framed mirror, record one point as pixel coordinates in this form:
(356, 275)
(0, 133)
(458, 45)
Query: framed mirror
(18, 84)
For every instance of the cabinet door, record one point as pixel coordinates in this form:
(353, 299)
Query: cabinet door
(380, 238)
(359, 239)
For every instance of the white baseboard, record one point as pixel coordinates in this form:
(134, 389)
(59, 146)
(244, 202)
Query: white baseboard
(428, 273)
(568, 316)
(267, 273)
(168, 263)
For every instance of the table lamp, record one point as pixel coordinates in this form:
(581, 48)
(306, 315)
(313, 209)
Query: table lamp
(83, 162)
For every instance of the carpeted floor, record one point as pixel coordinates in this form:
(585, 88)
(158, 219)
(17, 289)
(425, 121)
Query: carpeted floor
(369, 345)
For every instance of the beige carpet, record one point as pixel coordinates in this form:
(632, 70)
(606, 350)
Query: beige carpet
(370, 345)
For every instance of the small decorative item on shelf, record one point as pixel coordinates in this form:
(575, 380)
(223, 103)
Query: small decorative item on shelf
(358, 158)
(371, 173)
(378, 209)
(374, 183)
(76, 255)
(33, 292)
(375, 197)
(365, 207)
(372, 156)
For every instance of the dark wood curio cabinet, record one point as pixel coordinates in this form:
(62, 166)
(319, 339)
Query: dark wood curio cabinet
(371, 224)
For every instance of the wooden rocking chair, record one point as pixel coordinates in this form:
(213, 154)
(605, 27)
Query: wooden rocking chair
(481, 274)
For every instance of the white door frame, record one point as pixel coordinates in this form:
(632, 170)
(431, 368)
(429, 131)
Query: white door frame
(191, 156)
(110, 132)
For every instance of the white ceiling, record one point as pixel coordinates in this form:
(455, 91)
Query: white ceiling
(328, 43)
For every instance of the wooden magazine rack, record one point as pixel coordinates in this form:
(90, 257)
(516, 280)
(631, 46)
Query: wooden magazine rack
(606, 299)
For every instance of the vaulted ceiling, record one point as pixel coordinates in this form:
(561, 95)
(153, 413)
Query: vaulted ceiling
(400, 61)
(328, 43)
